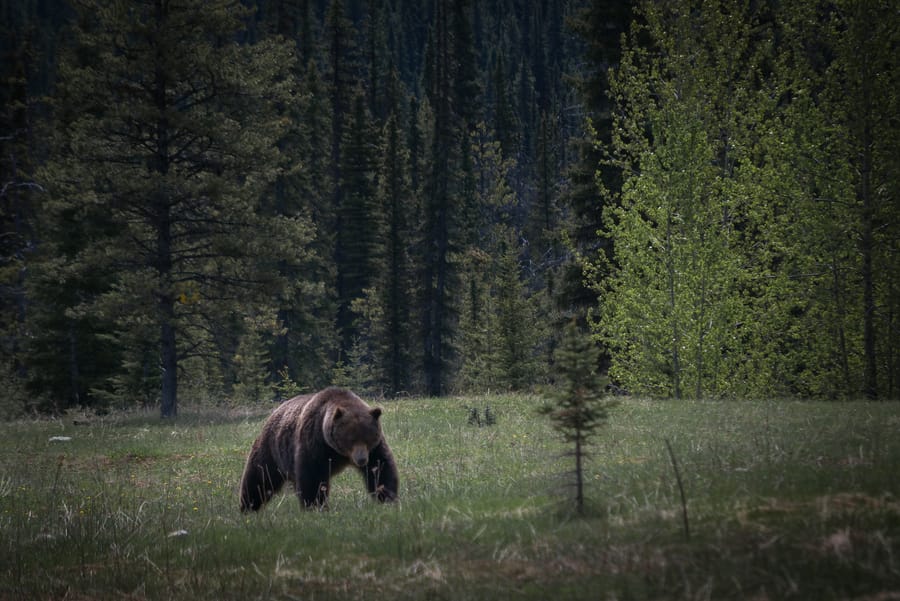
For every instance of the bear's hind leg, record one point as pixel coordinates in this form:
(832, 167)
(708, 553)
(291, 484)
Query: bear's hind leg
(261, 480)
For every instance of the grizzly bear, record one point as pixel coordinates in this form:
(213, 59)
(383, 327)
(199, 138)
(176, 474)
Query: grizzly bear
(310, 438)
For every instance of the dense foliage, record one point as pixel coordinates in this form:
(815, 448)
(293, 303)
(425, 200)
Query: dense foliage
(756, 228)
(242, 198)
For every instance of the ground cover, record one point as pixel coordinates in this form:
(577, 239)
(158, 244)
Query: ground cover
(785, 500)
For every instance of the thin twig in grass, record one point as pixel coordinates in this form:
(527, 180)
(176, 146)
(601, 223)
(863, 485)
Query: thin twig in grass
(684, 512)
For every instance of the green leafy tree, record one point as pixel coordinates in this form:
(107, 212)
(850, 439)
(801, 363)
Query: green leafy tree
(579, 406)
(166, 136)
(825, 168)
(672, 300)
(860, 103)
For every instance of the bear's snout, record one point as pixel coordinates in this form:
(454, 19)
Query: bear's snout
(360, 456)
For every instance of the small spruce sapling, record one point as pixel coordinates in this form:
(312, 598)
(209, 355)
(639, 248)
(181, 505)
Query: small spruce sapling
(489, 418)
(580, 405)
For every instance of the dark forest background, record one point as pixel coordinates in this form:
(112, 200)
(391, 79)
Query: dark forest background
(223, 201)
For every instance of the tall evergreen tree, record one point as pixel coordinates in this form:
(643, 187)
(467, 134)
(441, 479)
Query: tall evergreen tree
(307, 343)
(599, 26)
(29, 35)
(358, 224)
(166, 133)
(450, 82)
(505, 126)
(390, 299)
(17, 187)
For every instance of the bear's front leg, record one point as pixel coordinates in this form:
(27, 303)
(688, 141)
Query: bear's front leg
(313, 486)
(382, 480)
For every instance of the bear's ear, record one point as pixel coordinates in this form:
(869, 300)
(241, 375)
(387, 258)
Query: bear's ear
(376, 412)
(338, 412)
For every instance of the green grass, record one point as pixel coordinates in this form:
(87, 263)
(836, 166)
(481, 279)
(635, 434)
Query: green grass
(785, 500)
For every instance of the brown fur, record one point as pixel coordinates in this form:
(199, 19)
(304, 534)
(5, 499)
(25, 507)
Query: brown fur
(310, 438)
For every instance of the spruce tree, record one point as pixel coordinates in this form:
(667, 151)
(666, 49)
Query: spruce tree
(166, 136)
(599, 26)
(451, 88)
(394, 279)
(303, 343)
(579, 406)
(518, 329)
(358, 225)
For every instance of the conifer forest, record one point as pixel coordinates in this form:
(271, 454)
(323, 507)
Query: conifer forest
(229, 201)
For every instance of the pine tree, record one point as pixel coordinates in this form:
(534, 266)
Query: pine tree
(599, 25)
(166, 136)
(16, 213)
(394, 282)
(505, 125)
(580, 407)
(29, 33)
(252, 363)
(477, 324)
(304, 343)
(518, 329)
(359, 227)
(450, 82)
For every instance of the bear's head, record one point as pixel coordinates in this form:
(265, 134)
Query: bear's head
(353, 429)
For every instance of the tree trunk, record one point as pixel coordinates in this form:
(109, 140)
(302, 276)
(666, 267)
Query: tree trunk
(676, 334)
(838, 292)
(867, 247)
(864, 118)
(168, 355)
(74, 376)
(579, 477)
(169, 365)
(437, 268)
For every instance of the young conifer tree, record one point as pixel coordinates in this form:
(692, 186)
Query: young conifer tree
(580, 406)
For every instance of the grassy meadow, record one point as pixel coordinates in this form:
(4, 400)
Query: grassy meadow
(785, 500)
